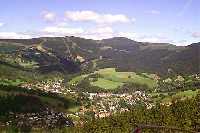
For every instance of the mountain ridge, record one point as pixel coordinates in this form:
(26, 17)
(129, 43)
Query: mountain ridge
(35, 39)
(72, 54)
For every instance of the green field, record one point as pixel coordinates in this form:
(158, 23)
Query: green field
(106, 84)
(188, 93)
(181, 94)
(111, 79)
(77, 79)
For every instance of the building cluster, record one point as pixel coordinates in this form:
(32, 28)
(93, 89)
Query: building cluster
(54, 86)
(44, 119)
(102, 104)
(105, 104)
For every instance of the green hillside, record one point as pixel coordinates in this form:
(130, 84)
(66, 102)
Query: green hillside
(75, 54)
(109, 78)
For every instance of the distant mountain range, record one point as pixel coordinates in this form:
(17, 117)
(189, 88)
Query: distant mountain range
(74, 54)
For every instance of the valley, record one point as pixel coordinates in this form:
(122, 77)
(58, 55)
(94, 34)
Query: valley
(99, 66)
(71, 82)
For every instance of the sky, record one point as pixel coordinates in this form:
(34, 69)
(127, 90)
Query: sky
(160, 21)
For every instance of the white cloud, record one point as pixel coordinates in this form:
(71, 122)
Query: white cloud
(181, 43)
(96, 17)
(1, 24)
(98, 33)
(154, 12)
(48, 16)
(196, 34)
(145, 38)
(154, 39)
(14, 35)
(129, 35)
(62, 31)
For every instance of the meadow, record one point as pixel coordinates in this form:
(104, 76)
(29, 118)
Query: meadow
(111, 79)
(165, 97)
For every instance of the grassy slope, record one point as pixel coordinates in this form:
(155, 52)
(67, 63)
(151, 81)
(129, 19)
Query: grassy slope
(77, 79)
(106, 84)
(168, 99)
(110, 79)
(64, 103)
(123, 77)
(182, 94)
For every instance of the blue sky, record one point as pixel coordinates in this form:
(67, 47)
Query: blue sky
(172, 21)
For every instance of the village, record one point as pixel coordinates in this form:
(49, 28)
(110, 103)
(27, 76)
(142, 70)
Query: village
(100, 104)
(47, 118)
(94, 105)
(106, 104)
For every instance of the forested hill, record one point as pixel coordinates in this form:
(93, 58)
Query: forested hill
(74, 54)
